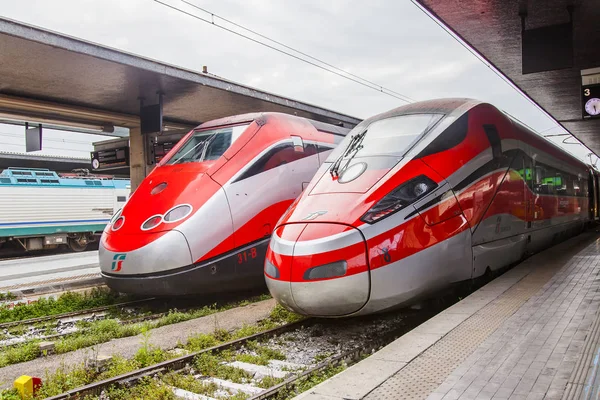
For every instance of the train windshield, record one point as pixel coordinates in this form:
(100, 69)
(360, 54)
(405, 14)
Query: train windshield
(387, 137)
(207, 145)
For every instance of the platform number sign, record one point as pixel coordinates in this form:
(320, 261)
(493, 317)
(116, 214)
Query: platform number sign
(591, 101)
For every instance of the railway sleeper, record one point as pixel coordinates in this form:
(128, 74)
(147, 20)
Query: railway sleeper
(233, 387)
(259, 371)
(186, 395)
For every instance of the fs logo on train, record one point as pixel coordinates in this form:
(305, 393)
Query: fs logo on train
(118, 262)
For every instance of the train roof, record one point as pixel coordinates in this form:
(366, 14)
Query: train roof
(458, 106)
(237, 119)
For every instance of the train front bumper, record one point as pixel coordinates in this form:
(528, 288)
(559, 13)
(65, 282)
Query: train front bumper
(135, 271)
(302, 255)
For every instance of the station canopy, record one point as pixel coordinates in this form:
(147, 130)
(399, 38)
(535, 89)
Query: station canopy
(53, 78)
(53, 163)
(542, 46)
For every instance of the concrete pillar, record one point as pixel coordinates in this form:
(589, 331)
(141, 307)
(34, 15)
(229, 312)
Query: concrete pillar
(137, 157)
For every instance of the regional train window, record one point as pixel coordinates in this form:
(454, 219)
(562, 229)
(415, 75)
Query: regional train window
(279, 155)
(207, 144)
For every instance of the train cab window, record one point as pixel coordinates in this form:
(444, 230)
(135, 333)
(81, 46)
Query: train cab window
(207, 144)
(281, 154)
(393, 136)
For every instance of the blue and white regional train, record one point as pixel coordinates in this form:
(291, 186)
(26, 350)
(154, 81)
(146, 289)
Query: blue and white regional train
(40, 209)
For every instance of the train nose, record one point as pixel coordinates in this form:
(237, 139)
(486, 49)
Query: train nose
(165, 252)
(318, 269)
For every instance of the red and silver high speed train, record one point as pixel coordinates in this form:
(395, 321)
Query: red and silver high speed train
(200, 223)
(421, 197)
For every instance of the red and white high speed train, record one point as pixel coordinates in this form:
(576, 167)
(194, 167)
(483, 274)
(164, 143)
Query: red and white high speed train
(421, 197)
(200, 223)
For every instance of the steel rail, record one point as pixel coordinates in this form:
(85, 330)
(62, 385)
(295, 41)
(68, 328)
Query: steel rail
(72, 313)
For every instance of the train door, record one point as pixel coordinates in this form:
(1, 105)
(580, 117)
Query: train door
(592, 209)
(529, 196)
(597, 195)
(594, 195)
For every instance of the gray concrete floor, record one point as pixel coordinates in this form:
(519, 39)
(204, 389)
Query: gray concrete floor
(526, 335)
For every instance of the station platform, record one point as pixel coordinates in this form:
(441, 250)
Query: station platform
(37, 275)
(532, 333)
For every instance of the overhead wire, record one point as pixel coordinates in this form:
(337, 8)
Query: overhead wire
(295, 50)
(49, 139)
(350, 76)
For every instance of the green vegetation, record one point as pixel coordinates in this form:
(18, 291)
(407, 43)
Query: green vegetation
(7, 296)
(311, 381)
(67, 302)
(189, 383)
(269, 381)
(147, 388)
(261, 355)
(207, 363)
(19, 353)
(97, 332)
(322, 356)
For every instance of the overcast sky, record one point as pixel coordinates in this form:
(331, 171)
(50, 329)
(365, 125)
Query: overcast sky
(390, 42)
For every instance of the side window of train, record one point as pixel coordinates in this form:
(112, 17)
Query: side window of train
(538, 186)
(551, 180)
(492, 134)
(522, 163)
(281, 154)
(451, 137)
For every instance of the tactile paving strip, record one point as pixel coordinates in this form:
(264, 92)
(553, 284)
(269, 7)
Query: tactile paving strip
(425, 373)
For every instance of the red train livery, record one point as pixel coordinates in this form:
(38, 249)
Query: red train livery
(201, 220)
(421, 197)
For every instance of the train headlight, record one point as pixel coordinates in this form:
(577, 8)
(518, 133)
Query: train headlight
(404, 195)
(332, 270)
(152, 222)
(271, 270)
(118, 223)
(178, 213)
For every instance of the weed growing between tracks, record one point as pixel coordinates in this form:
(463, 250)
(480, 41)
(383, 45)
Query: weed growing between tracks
(65, 379)
(7, 296)
(67, 302)
(97, 332)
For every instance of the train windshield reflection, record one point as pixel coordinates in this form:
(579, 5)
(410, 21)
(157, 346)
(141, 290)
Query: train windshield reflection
(391, 136)
(207, 145)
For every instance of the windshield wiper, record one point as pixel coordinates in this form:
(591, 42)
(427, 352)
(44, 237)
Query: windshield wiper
(202, 152)
(207, 143)
(353, 147)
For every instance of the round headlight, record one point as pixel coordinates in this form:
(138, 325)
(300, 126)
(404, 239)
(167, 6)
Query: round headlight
(178, 213)
(118, 223)
(152, 222)
(352, 172)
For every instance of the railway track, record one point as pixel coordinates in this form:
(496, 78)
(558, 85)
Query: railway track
(68, 320)
(268, 364)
